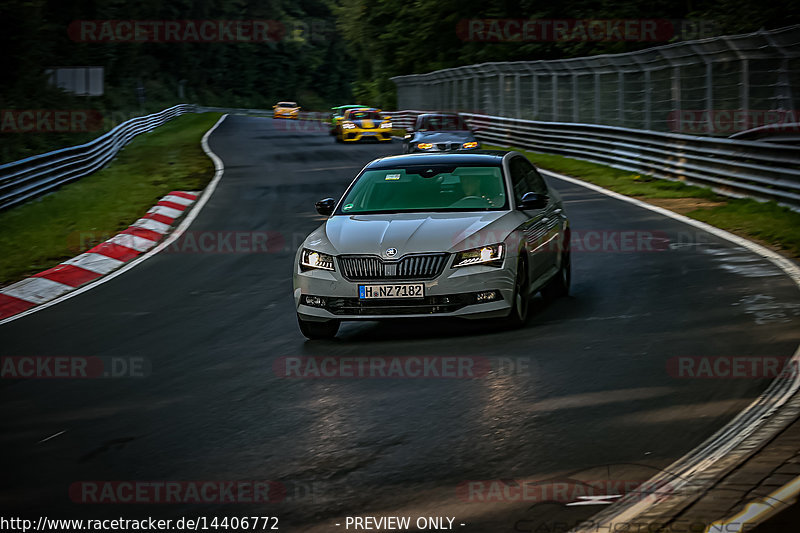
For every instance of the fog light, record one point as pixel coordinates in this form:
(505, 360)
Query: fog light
(486, 296)
(314, 301)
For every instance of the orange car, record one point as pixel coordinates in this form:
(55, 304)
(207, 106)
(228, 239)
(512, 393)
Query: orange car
(286, 110)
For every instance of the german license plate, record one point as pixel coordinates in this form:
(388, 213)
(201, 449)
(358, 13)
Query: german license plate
(391, 291)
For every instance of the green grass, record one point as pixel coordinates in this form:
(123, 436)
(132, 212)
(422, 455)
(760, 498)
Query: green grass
(40, 234)
(767, 222)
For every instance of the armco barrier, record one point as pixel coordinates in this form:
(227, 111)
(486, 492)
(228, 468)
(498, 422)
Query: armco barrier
(28, 178)
(738, 168)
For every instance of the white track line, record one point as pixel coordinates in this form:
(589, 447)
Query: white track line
(198, 206)
(747, 421)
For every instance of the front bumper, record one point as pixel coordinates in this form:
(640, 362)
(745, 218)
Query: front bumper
(452, 294)
(285, 115)
(357, 134)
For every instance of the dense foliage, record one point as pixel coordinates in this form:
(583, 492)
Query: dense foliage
(332, 52)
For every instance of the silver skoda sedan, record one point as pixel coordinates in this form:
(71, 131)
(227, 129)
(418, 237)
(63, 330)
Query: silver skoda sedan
(470, 235)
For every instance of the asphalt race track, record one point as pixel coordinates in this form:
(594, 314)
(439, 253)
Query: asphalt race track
(583, 392)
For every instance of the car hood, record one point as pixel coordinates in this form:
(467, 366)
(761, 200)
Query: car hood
(444, 136)
(411, 232)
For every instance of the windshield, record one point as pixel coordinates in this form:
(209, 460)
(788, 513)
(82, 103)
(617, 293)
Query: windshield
(287, 104)
(426, 188)
(361, 115)
(443, 123)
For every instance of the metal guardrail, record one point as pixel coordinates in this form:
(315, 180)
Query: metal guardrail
(737, 168)
(28, 178)
(690, 87)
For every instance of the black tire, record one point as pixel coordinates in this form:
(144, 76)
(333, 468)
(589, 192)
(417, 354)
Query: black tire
(318, 330)
(559, 285)
(521, 302)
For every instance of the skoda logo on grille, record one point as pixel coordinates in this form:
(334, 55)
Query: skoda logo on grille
(391, 252)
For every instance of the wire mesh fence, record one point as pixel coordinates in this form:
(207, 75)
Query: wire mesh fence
(716, 86)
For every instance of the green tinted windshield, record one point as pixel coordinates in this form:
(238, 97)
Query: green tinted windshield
(425, 188)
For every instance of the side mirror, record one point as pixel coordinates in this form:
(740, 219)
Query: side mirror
(533, 200)
(325, 206)
(273, 107)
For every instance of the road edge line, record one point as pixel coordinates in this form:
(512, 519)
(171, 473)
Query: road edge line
(219, 169)
(747, 421)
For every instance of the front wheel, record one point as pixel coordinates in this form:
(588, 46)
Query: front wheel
(521, 298)
(559, 285)
(318, 330)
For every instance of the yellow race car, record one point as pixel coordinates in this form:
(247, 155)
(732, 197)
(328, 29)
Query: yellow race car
(286, 110)
(364, 123)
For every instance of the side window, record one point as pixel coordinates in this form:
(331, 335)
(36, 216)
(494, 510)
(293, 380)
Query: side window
(535, 180)
(518, 181)
(529, 178)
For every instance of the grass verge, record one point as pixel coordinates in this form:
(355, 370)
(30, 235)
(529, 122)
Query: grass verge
(41, 233)
(768, 223)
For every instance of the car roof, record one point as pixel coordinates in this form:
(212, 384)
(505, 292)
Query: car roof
(348, 106)
(476, 157)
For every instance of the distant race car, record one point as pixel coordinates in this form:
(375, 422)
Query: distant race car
(286, 110)
(439, 133)
(467, 234)
(337, 114)
(364, 123)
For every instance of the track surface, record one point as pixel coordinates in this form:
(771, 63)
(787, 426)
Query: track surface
(597, 391)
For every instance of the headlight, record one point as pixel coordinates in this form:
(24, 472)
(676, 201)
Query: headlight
(310, 259)
(386, 125)
(491, 255)
(424, 146)
(348, 125)
(471, 144)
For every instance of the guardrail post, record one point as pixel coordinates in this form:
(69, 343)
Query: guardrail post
(598, 119)
(554, 118)
(647, 101)
(501, 84)
(621, 97)
(575, 106)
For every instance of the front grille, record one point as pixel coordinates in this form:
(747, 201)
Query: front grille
(430, 305)
(370, 267)
(448, 146)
